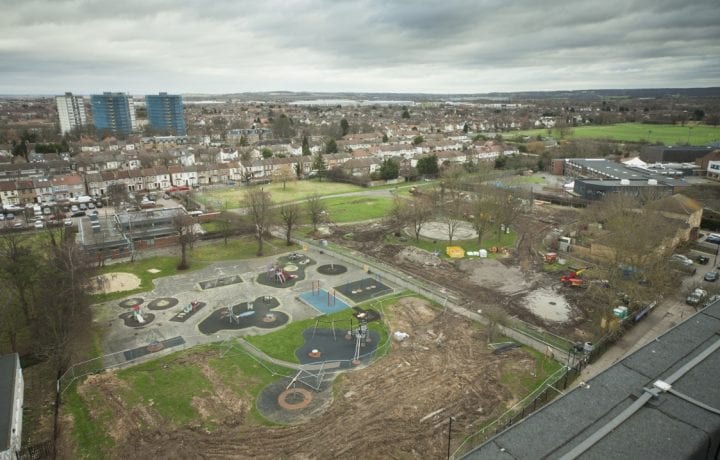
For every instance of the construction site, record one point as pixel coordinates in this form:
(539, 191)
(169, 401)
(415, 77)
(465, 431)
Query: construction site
(415, 380)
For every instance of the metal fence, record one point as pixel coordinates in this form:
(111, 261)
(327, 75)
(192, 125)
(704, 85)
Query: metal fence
(545, 392)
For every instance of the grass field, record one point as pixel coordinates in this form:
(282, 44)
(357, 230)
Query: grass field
(169, 385)
(636, 132)
(232, 197)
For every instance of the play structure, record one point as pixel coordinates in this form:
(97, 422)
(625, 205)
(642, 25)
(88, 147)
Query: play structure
(285, 271)
(136, 318)
(258, 313)
(189, 310)
(322, 300)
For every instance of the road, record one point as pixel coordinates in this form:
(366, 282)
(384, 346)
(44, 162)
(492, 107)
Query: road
(669, 313)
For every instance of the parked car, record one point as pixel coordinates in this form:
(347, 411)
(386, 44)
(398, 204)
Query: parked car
(78, 214)
(38, 224)
(68, 222)
(10, 216)
(74, 208)
(91, 205)
(711, 276)
(681, 258)
(702, 259)
(713, 238)
(83, 206)
(2, 216)
(98, 204)
(696, 296)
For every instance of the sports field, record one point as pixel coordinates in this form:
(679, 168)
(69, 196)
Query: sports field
(636, 132)
(231, 197)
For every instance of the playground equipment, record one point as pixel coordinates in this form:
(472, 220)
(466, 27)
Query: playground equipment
(573, 278)
(331, 297)
(191, 307)
(279, 275)
(137, 314)
(361, 335)
(235, 318)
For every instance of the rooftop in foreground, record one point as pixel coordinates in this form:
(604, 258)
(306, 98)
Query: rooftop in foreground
(666, 426)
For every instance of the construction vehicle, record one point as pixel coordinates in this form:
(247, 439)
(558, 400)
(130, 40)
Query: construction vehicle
(573, 278)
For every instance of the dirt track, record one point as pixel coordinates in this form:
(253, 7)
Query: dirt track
(398, 407)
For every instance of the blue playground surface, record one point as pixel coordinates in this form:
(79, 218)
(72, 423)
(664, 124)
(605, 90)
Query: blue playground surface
(319, 301)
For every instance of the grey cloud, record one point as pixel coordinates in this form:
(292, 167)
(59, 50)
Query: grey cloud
(228, 45)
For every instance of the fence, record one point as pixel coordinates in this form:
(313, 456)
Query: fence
(519, 331)
(549, 389)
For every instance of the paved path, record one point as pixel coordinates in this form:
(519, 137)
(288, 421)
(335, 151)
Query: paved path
(665, 316)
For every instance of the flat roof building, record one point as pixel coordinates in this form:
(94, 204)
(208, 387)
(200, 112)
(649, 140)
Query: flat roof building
(624, 413)
(11, 405)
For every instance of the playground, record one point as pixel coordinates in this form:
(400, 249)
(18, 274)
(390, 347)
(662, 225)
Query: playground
(396, 407)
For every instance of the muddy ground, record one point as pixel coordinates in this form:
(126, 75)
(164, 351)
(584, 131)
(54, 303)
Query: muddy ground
(396, 408)
(495, 286)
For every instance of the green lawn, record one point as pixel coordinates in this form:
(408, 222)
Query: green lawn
(636, 132)
(504, 240)
(168, 385)
(283, 343)
(232, 197)
(525, 383)
(357, 208)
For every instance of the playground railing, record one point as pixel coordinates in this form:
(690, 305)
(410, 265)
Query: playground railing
(533, 401)
(118, 360)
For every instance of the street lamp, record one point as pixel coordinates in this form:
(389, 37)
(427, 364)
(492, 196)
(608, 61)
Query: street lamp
(450, 420)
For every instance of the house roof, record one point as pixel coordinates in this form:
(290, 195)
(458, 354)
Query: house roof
(8, 369)
(665, 427)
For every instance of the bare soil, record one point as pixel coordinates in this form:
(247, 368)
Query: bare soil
(396, 408)
(495, 286)
(115, 282)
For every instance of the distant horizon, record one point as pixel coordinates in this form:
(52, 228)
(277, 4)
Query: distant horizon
(348, 92)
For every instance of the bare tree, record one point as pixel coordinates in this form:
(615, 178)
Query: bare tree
(633, 245)
(316, 209)
(185, 227)
(117, 194)
(18, 269)
(415, 212)
(285, 175)
(63, 305)
(289, 215)
(483, 210)
(229, 222)
(259, 211)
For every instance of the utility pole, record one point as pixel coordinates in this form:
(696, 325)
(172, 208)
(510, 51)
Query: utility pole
(450, 420)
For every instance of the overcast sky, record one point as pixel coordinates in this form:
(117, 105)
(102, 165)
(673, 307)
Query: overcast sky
(442, 46)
